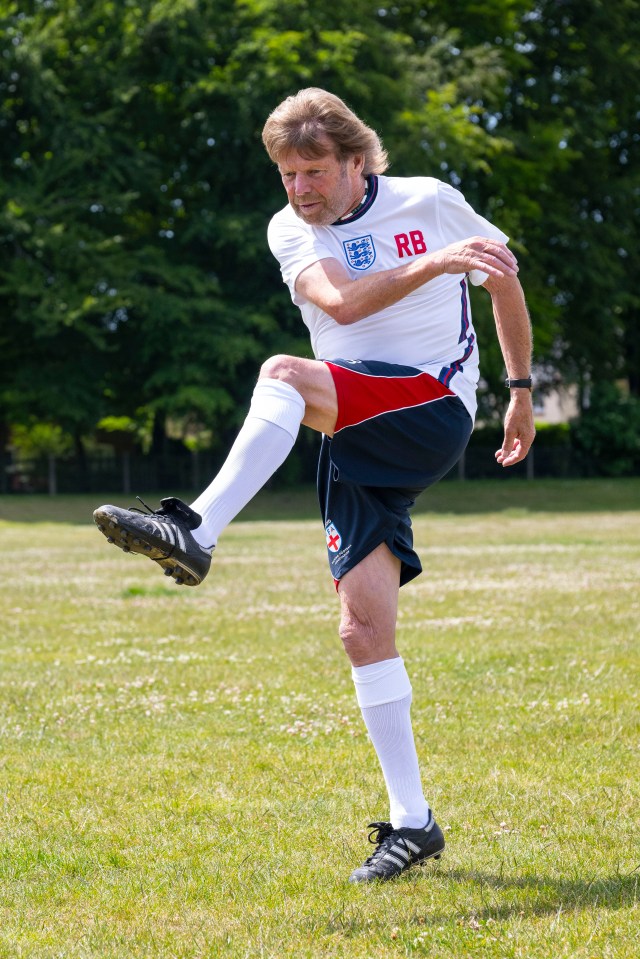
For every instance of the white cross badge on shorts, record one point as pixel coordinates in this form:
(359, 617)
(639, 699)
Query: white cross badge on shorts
(334, 540)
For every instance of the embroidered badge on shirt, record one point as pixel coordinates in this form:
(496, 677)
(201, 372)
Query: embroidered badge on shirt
(360, 252)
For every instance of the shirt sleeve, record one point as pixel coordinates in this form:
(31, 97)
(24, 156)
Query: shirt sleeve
(458, 220)
(295, 247)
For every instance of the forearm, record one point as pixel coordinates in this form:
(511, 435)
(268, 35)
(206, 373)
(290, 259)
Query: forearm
(348, 300)
(513, 325)
(327, 283)
(514, 334)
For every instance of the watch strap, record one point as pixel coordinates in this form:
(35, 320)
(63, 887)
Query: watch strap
(522, 384)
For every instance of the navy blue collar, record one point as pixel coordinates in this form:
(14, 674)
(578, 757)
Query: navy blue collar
(364, 205)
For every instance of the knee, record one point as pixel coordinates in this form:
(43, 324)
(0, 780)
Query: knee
(279, 367)
(358, 638)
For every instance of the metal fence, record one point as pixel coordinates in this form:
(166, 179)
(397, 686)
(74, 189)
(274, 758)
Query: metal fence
(133, 472)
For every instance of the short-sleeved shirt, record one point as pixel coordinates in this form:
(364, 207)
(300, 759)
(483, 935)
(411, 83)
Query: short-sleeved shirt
(402, 218)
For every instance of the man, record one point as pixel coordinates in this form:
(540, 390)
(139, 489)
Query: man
(379, 268)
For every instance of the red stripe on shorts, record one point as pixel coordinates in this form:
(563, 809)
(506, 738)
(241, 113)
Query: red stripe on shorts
(362, 396)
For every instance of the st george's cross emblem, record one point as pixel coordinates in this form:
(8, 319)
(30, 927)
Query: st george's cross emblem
(360, 252)
(334, 540)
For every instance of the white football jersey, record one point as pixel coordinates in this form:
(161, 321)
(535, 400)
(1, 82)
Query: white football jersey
(402, 217)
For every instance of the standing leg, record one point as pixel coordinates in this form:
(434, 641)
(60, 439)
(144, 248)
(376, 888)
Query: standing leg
(369, 599)
(369, 596)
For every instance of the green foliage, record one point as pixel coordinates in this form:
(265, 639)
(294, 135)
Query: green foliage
(125, 433)
(109, 282)
(39, 438)
(553, 434)
(607, 435)
(547, 434)
(571, 115)
(135, 193)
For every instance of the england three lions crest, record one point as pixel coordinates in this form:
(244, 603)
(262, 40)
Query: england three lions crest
(360, 252)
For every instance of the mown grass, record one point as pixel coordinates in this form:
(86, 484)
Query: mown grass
(185, 773)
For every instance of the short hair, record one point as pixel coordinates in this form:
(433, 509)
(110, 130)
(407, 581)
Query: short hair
(305, 122)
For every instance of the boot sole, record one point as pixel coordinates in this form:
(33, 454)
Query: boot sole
(130, 540)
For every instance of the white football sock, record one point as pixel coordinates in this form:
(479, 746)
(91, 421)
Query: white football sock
(384, 696)
(262, 445)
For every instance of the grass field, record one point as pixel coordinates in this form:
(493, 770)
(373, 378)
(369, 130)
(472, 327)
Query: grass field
(184, 773)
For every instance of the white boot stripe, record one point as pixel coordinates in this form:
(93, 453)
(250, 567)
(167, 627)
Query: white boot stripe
(165, 532)
(399, 862)
(398, 850)
(412, 846)
(157, 528)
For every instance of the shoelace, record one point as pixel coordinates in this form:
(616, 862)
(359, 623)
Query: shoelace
(134, 509)
(172, 509)
(383, 835)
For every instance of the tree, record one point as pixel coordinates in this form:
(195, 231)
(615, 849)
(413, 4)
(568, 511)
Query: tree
(135, 279)
(136, 191)
(572, 115)
(607, 435)
(112, 305)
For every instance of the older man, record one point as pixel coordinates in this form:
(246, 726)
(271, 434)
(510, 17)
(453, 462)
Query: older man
(379, 268)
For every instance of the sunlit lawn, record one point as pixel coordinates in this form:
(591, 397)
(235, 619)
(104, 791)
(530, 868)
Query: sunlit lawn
(184, 772)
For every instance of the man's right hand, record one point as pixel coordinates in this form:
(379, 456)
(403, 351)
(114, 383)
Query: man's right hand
(477, 253)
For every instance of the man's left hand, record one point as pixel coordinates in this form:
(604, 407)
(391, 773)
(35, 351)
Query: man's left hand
(519, 429)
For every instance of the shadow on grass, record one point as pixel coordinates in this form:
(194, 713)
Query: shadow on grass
(503, 898)
(518, 496)
(544, 895)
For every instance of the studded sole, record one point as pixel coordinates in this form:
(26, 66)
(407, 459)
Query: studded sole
(129, 541)
(434, 856)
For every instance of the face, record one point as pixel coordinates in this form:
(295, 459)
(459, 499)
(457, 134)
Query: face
(322, 190)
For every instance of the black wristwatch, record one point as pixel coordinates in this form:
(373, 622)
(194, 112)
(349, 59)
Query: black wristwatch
(525, 384)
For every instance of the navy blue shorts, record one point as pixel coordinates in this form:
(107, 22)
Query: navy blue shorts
(399, 430)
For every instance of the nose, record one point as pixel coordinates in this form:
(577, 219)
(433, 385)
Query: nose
(301, 184)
